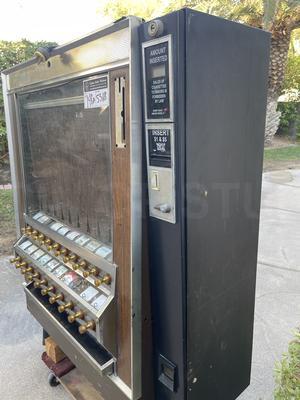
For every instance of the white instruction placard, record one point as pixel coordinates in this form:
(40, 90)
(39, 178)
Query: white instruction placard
(96, 92)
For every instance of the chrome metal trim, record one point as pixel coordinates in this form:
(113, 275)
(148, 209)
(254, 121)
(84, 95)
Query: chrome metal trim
(67, 101)
(74, 247)
(66, 78)
(14, 155)
(109, 385)
(167, 38)
(136, 209)
(72, 348)
(90, 36)
(58, 282)
(100, 51)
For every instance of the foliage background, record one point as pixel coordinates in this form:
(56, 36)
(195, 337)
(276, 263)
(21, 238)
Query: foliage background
(287, 372)
(12, 53)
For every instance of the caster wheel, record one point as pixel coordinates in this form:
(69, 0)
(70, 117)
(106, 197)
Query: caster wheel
(52, 380)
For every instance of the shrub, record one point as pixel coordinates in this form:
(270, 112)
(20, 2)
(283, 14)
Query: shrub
(287, 372)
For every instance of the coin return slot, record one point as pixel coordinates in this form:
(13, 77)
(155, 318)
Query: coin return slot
(167, 373)
(154, 180)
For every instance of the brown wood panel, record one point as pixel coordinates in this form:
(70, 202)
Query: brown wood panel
(122, 231)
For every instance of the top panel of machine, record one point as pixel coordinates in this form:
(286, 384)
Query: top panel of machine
(73, 58)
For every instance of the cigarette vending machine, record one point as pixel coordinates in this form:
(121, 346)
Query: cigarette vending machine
(136, 157)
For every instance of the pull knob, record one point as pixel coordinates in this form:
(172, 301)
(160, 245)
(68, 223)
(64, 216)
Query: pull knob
(35, 276)
(78, 315)
(61, 252)
(84, 328)
(56, 246)
(38, 283)
(47, 290)
(48, 241)
(21, 264)
(71, 257)
(35, 234)
(68, 306)
(41, 237)
(54, 299)
(26, 270)
(97, 282)
(76, 266)
(28, 231)
(106, 279)
(83, 264)
(93, 271)
(15, 259)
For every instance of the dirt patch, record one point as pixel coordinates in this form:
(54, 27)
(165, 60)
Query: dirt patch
(275, 165)
(280, 141)
(4, 173)
(7, 222)
(7, 240)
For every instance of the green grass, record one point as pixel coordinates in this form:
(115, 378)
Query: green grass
(290, 153)
(6, 209)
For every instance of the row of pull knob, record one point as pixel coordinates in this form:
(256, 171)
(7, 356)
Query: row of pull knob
(68, 257)
(42, 284)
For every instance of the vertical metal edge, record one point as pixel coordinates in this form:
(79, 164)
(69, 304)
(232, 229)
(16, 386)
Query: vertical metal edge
(136, 208)
(11, 130)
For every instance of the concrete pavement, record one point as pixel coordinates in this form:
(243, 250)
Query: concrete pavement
(24, 376)
(277, 309)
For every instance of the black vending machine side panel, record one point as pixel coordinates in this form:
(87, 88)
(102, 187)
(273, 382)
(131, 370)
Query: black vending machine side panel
(164, 122)
(226, 86)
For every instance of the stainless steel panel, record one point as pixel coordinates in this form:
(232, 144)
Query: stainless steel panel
(74, 247)
(14, 155)
(136, 208)
(54, 103)
(161, 182)
(77, 354)
(120, 48)
(113, 48)
(101, 377)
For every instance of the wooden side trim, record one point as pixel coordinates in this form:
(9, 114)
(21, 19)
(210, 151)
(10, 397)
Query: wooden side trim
(121, 220)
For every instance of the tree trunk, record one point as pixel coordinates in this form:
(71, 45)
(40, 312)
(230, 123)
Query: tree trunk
(280, 42)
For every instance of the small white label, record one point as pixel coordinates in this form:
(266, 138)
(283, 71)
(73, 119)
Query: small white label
(73, 235)
(52, 264)
(92, 246)
(99, 301)
(46, 258)
(103, 251)
(89, 293)
(26, 244)
(96, 93)
(55, 227)
(62, 231)
(38, 215)
(44, 219)
(82, 240)
(37, 254)
(31, 249)
(60, 271)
